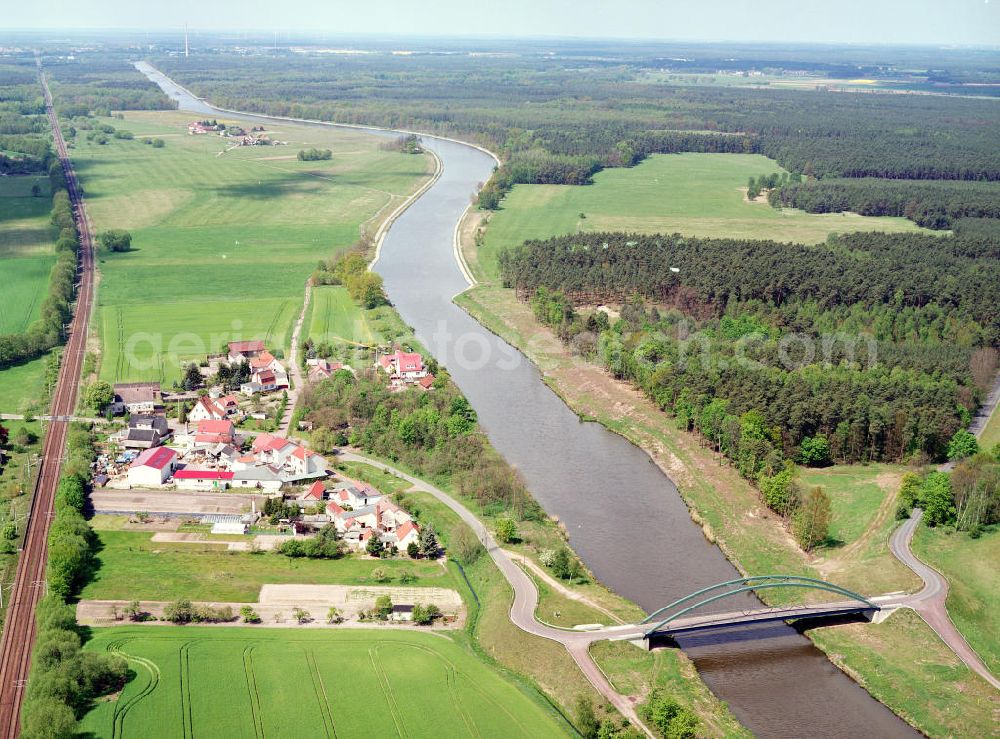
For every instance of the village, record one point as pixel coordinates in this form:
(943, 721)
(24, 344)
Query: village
(210, 441)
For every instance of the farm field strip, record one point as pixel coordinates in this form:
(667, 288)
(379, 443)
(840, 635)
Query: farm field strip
(260, 682)
(335, 317)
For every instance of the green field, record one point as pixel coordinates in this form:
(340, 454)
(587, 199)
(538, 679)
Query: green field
(991, 434)
(855, 496)
(693, 194)
(131, 565)
(222, 242)
(22, 386)
(27, 250)
(972, 567)
(242, 682)
(27, 253)
(337, 318)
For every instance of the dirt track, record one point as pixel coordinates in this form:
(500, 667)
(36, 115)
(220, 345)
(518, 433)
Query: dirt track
(172, 502)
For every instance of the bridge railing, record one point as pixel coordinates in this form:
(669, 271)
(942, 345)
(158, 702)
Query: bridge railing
(747, 585)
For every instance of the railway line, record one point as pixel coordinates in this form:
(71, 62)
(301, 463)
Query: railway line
(29, 582)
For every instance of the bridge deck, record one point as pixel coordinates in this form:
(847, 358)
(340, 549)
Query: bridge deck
(761, 615)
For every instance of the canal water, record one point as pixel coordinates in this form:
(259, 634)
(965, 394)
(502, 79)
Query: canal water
(624, 516)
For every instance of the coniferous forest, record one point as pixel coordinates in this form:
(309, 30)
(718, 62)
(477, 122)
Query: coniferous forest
(881, 345)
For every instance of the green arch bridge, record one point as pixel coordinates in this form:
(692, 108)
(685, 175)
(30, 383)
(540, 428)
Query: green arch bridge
(679, 618)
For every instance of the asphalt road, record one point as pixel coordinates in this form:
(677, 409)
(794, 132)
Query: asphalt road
(930, 601)
(522, 610)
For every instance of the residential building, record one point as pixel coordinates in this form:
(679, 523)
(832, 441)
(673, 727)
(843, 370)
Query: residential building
(244, 351)
(407, 366)
(152, 467)
(137, 397)
(212, 431)
(207, 409)
(189, 479)
(144, 432)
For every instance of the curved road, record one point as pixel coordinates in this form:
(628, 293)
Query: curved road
(522, 610)
(930, 602)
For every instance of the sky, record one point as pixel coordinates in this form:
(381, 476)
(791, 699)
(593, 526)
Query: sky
(959, 22)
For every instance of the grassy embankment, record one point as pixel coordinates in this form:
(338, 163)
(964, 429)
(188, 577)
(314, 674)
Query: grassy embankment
(972, 567)
(699, 197)
(223, 243)
(235, 682)
(27, 253)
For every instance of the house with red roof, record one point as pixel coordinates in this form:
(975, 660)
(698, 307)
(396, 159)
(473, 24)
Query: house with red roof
(211, 432)
(191, 479)
(314, 494)
(403, 368)
(407, 365)
(207, 409)
(229, 403)
(152, 467)
(244, 351)
(405, 533)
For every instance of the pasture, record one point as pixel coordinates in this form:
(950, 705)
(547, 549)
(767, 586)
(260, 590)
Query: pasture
(223, 241)
(693, 194)
(131, 565)
(255, 682)
(27, 250)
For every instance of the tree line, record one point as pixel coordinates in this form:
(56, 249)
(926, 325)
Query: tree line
(775, 347)
(927, 203)
(967, 498)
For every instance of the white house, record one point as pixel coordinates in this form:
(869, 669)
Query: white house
(407, 366)
(207, 409)
(189, 479)
(137, 397)
(259, 478)
(152, 467)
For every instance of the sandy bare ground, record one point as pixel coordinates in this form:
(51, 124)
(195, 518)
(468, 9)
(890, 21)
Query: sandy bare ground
(163, 501)
(277, 602)
(264, 543)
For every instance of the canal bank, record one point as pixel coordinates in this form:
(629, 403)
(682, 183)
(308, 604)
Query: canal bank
(623, 515)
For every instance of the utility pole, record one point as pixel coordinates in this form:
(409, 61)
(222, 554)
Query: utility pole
(185, 40)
